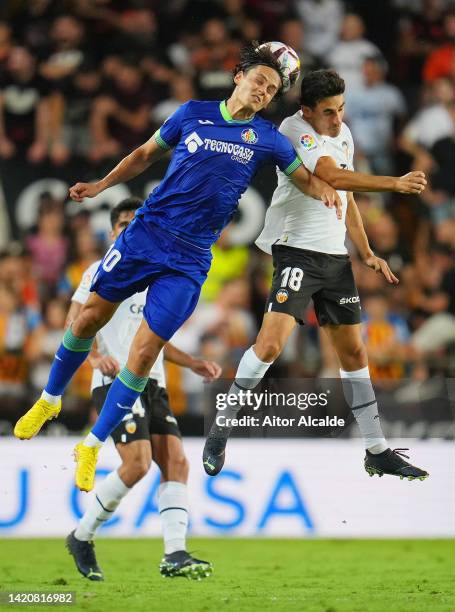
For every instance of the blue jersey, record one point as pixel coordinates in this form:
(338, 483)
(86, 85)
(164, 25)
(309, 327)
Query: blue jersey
(214, 161)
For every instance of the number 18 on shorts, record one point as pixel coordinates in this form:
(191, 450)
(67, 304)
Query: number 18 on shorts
(301, 275)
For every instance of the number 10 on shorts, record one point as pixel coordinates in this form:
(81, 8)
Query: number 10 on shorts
(292, 278)
(111, 259)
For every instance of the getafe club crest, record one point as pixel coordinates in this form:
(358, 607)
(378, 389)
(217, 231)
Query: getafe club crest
(249, 136)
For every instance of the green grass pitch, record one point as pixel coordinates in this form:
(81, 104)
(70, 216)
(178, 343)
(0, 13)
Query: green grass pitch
(249, 575)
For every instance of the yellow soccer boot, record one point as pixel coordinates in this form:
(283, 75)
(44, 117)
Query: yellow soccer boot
(32, 421)
(85, 458)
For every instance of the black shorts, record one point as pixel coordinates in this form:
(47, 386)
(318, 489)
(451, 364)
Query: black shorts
(300, 275)
(154, 417)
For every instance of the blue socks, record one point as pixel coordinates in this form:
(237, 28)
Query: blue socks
(71, 354)
(124, 391)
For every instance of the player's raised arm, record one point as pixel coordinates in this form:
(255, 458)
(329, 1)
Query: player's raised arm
(327, 170)
(316, 188)
(138, 160)
(290, 164)
(130, 166)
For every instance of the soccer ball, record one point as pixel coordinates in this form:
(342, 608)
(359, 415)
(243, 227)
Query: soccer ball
(289, 61)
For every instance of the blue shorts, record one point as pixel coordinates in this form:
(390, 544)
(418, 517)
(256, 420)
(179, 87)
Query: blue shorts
(174, 271)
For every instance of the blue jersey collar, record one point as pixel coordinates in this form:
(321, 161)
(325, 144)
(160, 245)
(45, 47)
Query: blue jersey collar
(228, 117)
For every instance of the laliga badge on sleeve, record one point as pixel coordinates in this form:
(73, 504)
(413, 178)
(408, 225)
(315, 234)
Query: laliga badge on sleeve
(308, 142)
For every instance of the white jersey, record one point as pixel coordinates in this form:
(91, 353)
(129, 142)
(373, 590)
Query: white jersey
(298, 220)
(115, 338)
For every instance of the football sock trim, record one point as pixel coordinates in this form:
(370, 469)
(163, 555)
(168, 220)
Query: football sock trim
(73, 343)
(101, 504)
(119, 401)
(70, 355)
(132, 381)
(364, 405)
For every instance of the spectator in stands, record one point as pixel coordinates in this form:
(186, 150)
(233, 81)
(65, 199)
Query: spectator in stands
(71, 134)
(349, 53)
(25, 108)
(322, 20)
(45, 340)
(6, 43)
(214, 61)
(16, 271)
(229, 263)
(386, 335)
(271, 13)
(182, 90)
(49, 245)
(425, 294)
(67, 52)
(136, 32)
(85, 250)
(438, 330)
(120, 118)
(15, 327)
(429, 125)
(443, 151)
(180, 52)
(291, 32)
(387, 241)
(440, 197)
(372, 111)
(440, 62)
(384, 236)
(420, 33)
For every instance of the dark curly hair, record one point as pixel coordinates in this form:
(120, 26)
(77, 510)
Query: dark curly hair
(251, 56)
(130, 204)
(318, 85)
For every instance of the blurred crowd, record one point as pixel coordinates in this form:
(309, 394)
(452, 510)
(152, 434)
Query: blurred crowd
(91, 79)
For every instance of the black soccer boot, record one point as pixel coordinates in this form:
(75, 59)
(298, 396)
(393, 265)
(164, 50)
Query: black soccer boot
(84, 556)
(392, 462)
(213, 455)
(181, 563)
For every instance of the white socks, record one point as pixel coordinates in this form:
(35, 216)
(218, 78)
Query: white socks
(108, 496)
(249, 374)
(91, 440)
(52, 399)
(251, 370)
(359, 394)
(173, 508)
(172, 505)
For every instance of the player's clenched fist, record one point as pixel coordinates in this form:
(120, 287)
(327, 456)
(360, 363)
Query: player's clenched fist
(79, 191)
(412, 182)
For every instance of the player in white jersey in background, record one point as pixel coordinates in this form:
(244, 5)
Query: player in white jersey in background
(311, 261)
(149, 431)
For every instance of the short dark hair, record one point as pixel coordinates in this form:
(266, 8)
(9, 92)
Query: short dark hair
(251, 56)
(318, 85)
(130, 204)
